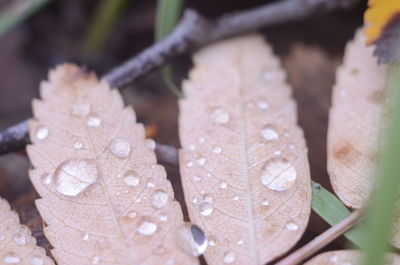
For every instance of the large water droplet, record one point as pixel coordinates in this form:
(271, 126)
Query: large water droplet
(131, 178)
(191, 239)
(80, 109)
(229, 257)
(120, 147)
(278, 174)
(19, 238)
(220, 116)
(269, 133)
(46, 178)
(37, 260)
(11, 258)
(147, 228)
(205, 208)
(42, 132)
(159, 199)
(75, 175)
(93, 120)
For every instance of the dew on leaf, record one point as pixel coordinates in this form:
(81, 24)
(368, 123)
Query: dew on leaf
(206, 208)
(120, 148)
(147, 227)
(220, 116)
(131, 178)
(269, 133)
(278, 174)
(229, 257)
(159, 199)
(93, 120)
(191, 239)
(42, 132)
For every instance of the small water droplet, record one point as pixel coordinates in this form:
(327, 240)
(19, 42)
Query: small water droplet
(201, 161)
(19, 238)
(278, 174)
(240, 242)
(208, 174)
(291, 227)
(132, 214)
(35, 260)
(196, 178)
(194, 200)
(333, 258)
(262, 105)
(151, 144)
(265, 203)
(277, 152)
(292, 146)
(269, 133)
(120, 148)
(192, 147)
(85, 236)
(236, 198)
(2, 237)
(93, 120)
(11, 258)
(229, 257)
(75, 175)
(220, 116)
(217, 149)
(147, 228)
(150, 185)
(42, 132)
(189, 164)
(131, 178)
(95, 260)
(205, 208)
(163, 218)
(159, 199)
(46, 178)
(137, 200)
(78, 145)
(207, 198)
(191, 239)
(80, 109)
(212, 243)
(223, 185)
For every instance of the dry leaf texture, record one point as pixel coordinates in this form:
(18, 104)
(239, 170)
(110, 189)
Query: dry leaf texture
(17, 246)
(347, 257)
(354, 123)
(104, 198)
(244, 162)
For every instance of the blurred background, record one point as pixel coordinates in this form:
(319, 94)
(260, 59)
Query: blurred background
(68, 31)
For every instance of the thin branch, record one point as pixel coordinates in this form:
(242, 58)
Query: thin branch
(322, 240)
(192, 32)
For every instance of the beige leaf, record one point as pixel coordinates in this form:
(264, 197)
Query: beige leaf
(347, 257)
(104, 198)
(17, 246)
(244, 161)
(354, 122)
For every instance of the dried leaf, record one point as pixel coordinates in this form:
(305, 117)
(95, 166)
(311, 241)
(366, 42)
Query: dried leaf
(104, 198)
(244, 161)
(17, 245)
(354, 123)
(347, 257)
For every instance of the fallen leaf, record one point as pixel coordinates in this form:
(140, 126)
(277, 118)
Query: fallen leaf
(347, 257)
(244, 161)
(104, 198)
(354, 123)
(17, 245)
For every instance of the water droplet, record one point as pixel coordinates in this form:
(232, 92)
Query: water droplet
(37, 260)
(11, 258)
(150, 184)
(85, 236)
(192, 147)
(78, 145)
(279, 174)
(223, 185)
(191, 239)
(196, 178)
(137, 200)
(265, 203)
(120, 147)
(212, 243)
(269, 133)
(333, 258)
(151, 144)
(291, 227)
(46, 178)
(217, 149)
(277, 152)
(201, 161)
(202, 140)
(189, 164)
(2, 237)
(220, 116)
(194, 200)
(207, 198)
(205, 208)
(42, 132)
(292, 146)
(93, 120)
(240, 242)
(132, 214)
(236, 198)
(80, 109)
(163, 218)
(131, 178)
(75, 175)
(262, 105)
(19, 238)
(159, 199)
(229, 257)
(95, 260)
(147, 228)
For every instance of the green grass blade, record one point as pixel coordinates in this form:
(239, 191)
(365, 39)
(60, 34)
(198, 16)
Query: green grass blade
(107, 12)
(17, 12)
(332, 210)
(168, 13)
(380, 215)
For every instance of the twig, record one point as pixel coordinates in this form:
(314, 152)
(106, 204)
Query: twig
(191, 32)
(322, 240)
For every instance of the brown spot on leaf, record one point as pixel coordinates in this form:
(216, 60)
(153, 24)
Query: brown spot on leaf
(376, 97)
(342, 152)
